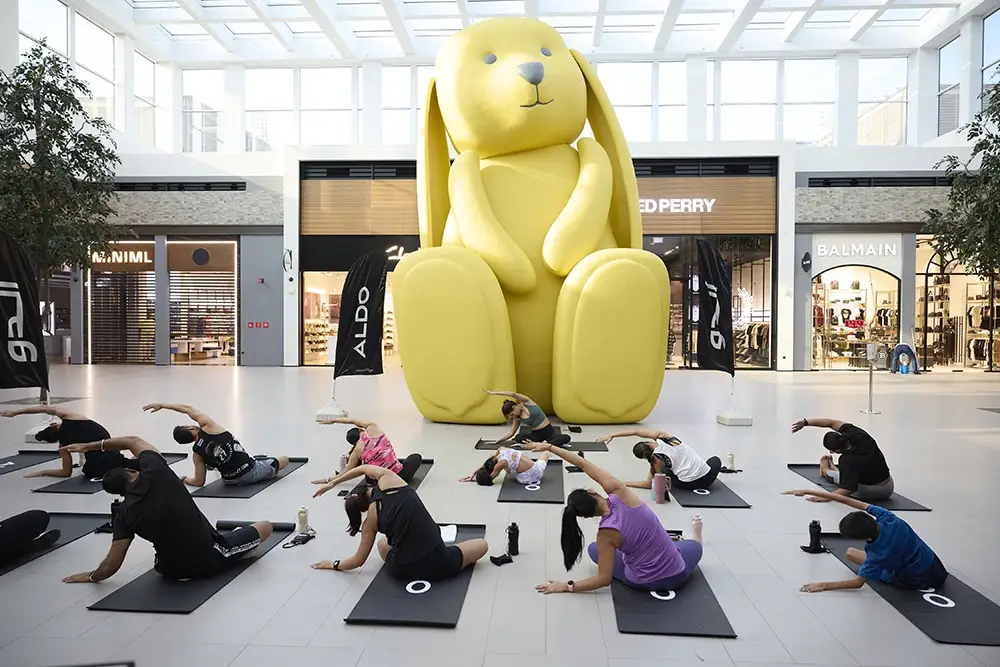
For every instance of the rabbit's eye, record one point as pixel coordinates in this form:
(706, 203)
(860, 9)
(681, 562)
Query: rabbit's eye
(489, 58)
(546, 52)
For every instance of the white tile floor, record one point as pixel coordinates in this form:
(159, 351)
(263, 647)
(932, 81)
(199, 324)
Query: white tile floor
(942, 449)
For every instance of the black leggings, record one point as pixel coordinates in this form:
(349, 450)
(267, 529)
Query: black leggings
(547, 433)
(703, 482)
(410, 465)
(19, 532)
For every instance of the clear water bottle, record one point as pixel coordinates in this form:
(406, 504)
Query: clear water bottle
(731, 461)
(302, 520)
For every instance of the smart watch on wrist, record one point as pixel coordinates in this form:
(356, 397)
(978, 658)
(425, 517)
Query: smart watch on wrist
(571, 585)
(336, 565)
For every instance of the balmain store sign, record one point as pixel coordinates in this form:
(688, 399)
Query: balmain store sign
(881, 251)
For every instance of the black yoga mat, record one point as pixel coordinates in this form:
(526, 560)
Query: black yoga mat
(153, 593)
(219, 489)
(572, 446)
(438, 604)
(549, 491)
(418, 477)
(716, 495)
(25, 458)
(71, 528)
(85, 485)
(894, 503)
(952, 614)
(690, 611)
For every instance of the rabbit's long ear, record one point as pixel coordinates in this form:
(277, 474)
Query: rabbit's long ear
(626, 221)
(433, 166)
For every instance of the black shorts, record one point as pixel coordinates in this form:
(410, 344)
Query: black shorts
(443, 562)
(228, 549)
(932, 579)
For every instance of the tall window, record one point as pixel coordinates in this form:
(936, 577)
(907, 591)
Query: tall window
(424, 75)
(749, 100)
(396, 90)
(144, 73)
(991, 51)
(203, 92)
(43, 19)
(672, 111)
(325, 102)
(882, 101)
(629, 86)
(270, 99)
(809, 95)
(94, 52)
(949, 69)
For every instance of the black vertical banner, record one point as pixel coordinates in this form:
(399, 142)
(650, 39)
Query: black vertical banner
(359, 333)
(715, 317)
(22, 348)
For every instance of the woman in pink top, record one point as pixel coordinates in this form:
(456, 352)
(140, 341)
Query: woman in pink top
(632, 546)
(371, 447)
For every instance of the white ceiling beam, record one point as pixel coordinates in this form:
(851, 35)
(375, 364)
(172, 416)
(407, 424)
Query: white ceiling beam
(864, 20)
(730, 32)
(602, 8)
(278, 29)
(463, 12)
(531, 8)
(154, 16)
(219, 33)
(399, 26)
(667, 24)
(344, 42)
(797, 21)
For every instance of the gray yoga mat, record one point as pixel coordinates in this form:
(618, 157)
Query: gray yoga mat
(437, 604)
(690, 611)
(71, 527)
(25, 458)
(153, 593)
(952, 614)
(894, 503)
(571, 446)
(85, 485)
(549, 491)
(219, 489)
(716, 495)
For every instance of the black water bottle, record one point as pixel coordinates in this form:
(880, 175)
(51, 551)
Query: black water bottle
(513, 533)
(815, 538)
(116, 506)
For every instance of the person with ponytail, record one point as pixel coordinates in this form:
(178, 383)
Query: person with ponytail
(412, 547)
(523, 469)
(632, 546)
(522, 411)
(666, 454)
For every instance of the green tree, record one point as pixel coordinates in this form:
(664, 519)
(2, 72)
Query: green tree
(968, 230)
(57, 167)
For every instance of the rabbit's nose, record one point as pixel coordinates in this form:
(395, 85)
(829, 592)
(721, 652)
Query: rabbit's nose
(532, 72)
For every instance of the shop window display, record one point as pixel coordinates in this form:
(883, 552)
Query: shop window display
(321, 316)
(852, 307)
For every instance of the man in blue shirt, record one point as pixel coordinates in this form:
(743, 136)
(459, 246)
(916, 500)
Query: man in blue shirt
(893, 553)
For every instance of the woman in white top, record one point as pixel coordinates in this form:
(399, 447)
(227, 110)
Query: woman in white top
(523, 469)
(667, 454)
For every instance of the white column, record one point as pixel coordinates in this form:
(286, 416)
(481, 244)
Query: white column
(717, 96)
(169, 120)
(971, 74)
(235, 78)
(125, 87)
(846, 129)
(371, 102)
(8, 35)
(922, 88)
(784, 318)
(779, 98)
(697, 99)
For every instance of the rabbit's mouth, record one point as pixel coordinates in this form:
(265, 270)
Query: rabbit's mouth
(538, 101)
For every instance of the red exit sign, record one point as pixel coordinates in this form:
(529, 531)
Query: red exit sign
(258, 325)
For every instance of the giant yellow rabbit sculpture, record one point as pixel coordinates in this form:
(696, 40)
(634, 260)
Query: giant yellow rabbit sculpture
(530, 275)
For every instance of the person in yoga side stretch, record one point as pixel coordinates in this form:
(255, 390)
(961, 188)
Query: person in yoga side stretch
(666, 454)
(160, 510)
(412, 547)
(861, 472)
(371, 447)
(522, 468)
(215, 448)
(522, 411)
(23, 534)
(72, 428)
(632, 546)
(893, 553)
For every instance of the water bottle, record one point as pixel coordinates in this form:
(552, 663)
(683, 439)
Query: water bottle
(513, 533)
(731, 461)
(344, 458)
(815, 538)
(660, 488)
(302, 520)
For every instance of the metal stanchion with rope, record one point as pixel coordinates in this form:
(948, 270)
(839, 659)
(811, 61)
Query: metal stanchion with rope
(873, 353)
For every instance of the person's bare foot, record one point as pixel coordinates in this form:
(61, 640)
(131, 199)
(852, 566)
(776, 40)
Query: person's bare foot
(696, 527)
(322, 565)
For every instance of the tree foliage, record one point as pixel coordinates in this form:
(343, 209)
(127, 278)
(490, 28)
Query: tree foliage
(968, 230)
(57, 166)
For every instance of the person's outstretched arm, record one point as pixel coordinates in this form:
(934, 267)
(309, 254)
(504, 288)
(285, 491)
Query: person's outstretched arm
(645, 433)
(369, 427)
(200, 470)
(108, 567)
(42, 410)
(648, 484)
(197, 416)
(520, 398)
(65, 458)
(819, 422)
(369, 531)
(374, 472)
(135, 445)
(608, 482)
(826, 495)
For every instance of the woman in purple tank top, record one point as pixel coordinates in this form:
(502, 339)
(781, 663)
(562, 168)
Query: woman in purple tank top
(632, 546)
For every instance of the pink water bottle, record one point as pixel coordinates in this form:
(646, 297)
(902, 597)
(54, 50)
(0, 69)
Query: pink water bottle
(660, 488)
(344, 458)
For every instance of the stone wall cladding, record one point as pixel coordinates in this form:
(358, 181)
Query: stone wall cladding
(256, 206)
(867, 204)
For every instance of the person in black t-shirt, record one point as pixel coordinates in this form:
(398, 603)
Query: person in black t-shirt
(215, 448)
(412, 548)
(72, 428)
(160, 510)
(861, 472)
